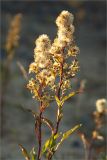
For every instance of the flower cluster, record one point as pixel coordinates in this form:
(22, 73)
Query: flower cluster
(51, 61)
(42, 65)
(13, 35)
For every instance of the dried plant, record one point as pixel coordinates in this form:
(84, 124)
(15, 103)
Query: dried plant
(99, 120)
(10, 46)
(13, 36)
(54, 66)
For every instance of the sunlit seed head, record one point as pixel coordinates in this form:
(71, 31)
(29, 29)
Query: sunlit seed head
(65, 18)
(41, 51)
(101, 105)
(12, 39)
(43, 42)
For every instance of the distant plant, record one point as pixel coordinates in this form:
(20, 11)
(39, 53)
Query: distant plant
(12, 41)
(97, 139)
(13, 36)
(54, 66)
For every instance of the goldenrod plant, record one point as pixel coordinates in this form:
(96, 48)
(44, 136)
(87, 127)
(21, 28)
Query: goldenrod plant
(95, 143)
(54, 66)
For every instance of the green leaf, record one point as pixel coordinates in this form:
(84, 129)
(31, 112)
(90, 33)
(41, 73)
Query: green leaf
(57, 135)
(24, 152)
(50, 143)
(58, 101)
(69, 96)
(67, 134)
(33, 154)
(46, 145)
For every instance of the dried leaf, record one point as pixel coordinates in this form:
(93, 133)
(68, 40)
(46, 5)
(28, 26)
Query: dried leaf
(29, 110)
(48, 123)
(24, 152)
(21, 67)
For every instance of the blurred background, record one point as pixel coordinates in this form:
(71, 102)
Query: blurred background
(38, 17)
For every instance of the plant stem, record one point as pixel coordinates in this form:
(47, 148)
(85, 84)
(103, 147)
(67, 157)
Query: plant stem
(58, 95)
(58, 119)
(39, 132)
(90, 150)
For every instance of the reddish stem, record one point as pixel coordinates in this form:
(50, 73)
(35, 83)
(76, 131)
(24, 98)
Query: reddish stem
(58, 95)
(39, 136)
(39, 125)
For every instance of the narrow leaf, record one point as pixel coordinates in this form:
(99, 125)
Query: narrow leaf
(48, 123)
(24, 152)
(69, 96)
(50, 143)
(58, 101)
(33, 154)
(44, 120)
(33, 113)
(67, 134)
(29, 110)
(46, 145)
(22, 70)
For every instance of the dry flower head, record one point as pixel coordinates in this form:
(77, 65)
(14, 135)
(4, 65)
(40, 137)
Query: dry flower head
(48, 58)
(13, 35)
(101, 105)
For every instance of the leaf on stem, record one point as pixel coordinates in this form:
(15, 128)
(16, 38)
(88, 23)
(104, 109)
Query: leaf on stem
(24, 152)
(67, 134)
(21, 67)
(29, 110)
(48, 123)
(33, 154)
(44, 120)
(69, 96)
(58, 101)
(50, 143)
(61, 102)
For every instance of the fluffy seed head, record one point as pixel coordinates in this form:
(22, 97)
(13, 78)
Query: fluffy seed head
(41, 51)
(65, 18)
(101, 104)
